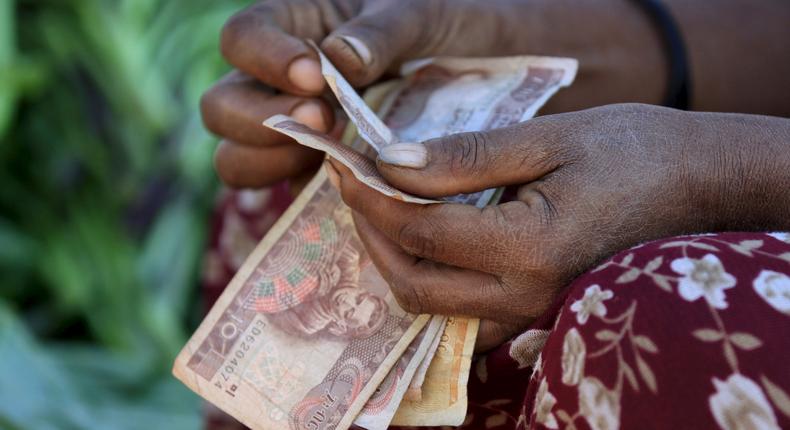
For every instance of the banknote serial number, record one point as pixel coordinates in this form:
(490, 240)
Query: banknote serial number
(225, 380)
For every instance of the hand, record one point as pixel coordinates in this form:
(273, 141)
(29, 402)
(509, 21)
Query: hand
(619, 52)
(590, 183)
(279, 74)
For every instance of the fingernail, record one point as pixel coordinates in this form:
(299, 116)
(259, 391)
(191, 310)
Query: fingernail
(359, 48)
(413, 155)
(332, 174)
(310, 114)
(305, 73)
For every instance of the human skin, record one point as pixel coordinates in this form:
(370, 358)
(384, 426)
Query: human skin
(590, 183)
(737, 59)
(737, 56)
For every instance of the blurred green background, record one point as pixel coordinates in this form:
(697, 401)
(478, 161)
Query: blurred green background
(105, 194)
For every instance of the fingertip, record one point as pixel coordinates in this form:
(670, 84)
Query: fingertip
(359, 48)
(351, 56)
(312, 114)
(411, 155)
(305, 73)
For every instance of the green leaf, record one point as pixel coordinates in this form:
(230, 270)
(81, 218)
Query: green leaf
(83, 388)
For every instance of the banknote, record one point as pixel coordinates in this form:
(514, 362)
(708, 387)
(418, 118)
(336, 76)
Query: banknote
(307, 329)
(414, 392)
(369, 127)
(381, 407)
(443, 399)
(441, 96)
(307, 332)
(362, 166)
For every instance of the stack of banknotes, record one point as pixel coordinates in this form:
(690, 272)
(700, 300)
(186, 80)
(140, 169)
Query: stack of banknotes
(308, 335)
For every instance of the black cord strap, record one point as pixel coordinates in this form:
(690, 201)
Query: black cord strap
(679, 85)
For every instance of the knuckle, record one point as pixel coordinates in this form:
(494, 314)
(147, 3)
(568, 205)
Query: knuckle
(410, 296)
(419, 237)
(467, 153)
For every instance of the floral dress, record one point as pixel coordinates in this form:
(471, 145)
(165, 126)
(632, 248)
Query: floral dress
(686, 332)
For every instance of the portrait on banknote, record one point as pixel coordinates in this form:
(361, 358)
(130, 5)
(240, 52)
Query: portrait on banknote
(313, 286)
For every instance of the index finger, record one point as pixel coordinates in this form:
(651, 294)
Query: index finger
(458, 235)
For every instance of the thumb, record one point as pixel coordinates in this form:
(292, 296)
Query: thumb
(366, 46)
(474, 161)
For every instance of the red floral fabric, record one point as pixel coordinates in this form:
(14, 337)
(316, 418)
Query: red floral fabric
(686, 332)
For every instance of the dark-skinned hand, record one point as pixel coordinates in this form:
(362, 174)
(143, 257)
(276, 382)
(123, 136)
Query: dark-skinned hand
(277, 73)
(590, 183)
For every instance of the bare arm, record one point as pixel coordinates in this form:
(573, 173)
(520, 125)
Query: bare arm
(739, 51)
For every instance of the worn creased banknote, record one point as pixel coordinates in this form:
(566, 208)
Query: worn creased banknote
(442, 398)
(381, 407)
(414, 392)
(307, 334)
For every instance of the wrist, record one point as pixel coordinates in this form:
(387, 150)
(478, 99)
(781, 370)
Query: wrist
(736, 172)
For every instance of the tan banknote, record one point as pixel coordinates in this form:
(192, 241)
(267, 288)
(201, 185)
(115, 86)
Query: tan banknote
(443, 398)
(381, 407)
(414, 392)
(307, 329)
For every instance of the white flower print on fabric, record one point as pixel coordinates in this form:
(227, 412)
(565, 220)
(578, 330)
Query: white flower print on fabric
(599, 405)
(784, 237)
(574, 353)
(774, 288)
(591, 303)
(704, 277)
(544, 402)
(739, 404)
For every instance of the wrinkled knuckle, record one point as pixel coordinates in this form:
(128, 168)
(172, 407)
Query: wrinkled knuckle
(467, 153)
(418, 237)
(407, 294)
